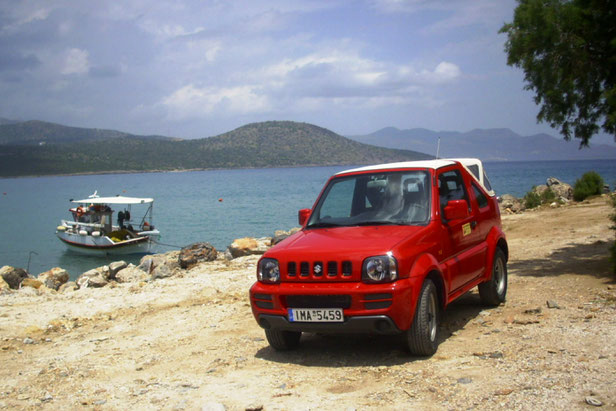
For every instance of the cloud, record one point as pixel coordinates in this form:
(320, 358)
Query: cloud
(75, 62)
(193, 101)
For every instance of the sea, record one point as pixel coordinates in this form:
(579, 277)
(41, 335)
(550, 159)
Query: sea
(215, 206)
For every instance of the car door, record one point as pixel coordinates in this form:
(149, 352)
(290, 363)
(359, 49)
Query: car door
(465, 259)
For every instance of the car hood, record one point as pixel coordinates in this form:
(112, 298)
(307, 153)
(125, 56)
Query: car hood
(351, 241)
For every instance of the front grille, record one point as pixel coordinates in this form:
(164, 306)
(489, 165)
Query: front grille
(292, 269)
(319, 270)
(318, 301)
(332, 269)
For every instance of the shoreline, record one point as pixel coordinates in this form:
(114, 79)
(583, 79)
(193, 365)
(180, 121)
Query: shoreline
(190, 341)
(177, 170)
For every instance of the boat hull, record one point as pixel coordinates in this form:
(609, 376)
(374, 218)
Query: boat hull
(103, 245)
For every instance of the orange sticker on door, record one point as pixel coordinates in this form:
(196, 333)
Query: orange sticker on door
(466, 229)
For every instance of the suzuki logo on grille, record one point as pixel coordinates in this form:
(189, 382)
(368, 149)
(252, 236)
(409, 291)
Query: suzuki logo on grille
(318, 268)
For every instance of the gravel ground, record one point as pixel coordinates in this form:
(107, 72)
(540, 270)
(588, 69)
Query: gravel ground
(191, 342)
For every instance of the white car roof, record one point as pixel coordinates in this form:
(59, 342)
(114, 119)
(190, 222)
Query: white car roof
(433, 164)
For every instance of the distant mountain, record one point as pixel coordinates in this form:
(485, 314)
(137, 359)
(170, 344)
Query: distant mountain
(37, 148)
(37, 132)
(500, 144)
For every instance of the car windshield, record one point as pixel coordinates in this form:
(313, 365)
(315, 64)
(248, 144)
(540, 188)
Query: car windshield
(393, 198)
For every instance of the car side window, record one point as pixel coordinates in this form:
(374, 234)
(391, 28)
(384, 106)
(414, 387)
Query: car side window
(482, 201)
(451, 187)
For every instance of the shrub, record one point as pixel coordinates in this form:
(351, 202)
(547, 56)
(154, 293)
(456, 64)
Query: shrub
(590, 184)
(613, 227)
(548, 196)
(532, 199)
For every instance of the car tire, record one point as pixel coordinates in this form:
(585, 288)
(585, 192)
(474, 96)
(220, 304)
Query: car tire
(283, 340)
(422, 337)
(494, 291)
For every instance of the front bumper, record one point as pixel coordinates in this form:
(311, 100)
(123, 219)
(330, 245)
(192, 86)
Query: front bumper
(368, 308)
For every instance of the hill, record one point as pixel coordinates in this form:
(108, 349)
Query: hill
(37, 148)
(36, 132)
(487, 144)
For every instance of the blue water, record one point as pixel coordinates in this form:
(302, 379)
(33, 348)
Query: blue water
(187, 207)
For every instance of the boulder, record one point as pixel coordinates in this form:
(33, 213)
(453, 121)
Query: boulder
(539, 190)
(280, 235)
(160, 265)
(54, 278)
(161, 271)
(131, 274)
(4, 287)
(68, 286)
(31, 282)
(249, 246)
(13, 276)
(196, 253)
(115, 267)
(94, 278)
(511, 203)
(562, 190)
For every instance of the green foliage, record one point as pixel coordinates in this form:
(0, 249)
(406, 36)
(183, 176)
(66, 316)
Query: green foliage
(590, 184)
(613, 227)
(269, 144)
(567, 50)
(533, 199)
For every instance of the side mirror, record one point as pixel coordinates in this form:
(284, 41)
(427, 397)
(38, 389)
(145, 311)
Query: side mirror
(303, 215)
(456, 210)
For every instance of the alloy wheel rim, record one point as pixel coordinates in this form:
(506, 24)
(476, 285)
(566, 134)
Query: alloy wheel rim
(499, 276)
(432, 317)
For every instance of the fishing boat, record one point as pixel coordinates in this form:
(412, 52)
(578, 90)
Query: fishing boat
(91, 229)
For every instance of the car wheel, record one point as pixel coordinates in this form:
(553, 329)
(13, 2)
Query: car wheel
(283, 340)
(494, 291)
(422, 337)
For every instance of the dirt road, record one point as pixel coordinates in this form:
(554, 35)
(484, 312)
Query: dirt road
(192, 343)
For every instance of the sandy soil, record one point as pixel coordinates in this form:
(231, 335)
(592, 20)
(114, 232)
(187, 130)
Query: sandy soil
(192, 343)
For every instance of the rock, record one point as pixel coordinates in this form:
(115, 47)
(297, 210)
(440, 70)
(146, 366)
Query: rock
(552, 304)
(464, 380)
(242, 247)
(540, 189)
(115, 267)
(28, 340)
(559, 188)
(196, 253)
(13, 276)
(160, 265)
(509, 202)
(593, 401)
(54, 278)
(161, 271)
(131, 274)
(69, 286)
(4, 287)
(94, 278)
(31, 282)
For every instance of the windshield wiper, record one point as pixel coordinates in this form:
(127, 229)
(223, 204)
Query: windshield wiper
(324, 225)
(380, 222)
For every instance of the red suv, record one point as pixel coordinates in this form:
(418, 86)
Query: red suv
(384, 250)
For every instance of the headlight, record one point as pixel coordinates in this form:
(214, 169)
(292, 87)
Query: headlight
(380, 269)
(269, 271)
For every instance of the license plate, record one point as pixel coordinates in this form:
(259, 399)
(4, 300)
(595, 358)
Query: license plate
(316, 315)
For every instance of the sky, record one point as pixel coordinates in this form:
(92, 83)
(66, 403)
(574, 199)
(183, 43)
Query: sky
(194, 69)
